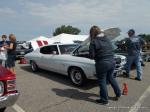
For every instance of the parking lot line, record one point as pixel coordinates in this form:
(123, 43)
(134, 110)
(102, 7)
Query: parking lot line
(138, 104)
(17, 108)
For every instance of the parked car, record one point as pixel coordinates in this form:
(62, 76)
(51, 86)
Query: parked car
(59, 58)
(23, 49)
(8, 91)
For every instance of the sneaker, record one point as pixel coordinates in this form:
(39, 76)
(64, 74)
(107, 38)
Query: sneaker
(138, 79)
(142, 64)
(117, 98)
(102, 102)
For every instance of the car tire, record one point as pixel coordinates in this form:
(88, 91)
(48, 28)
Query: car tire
(2, 109)
(77, 76)
(34, 66)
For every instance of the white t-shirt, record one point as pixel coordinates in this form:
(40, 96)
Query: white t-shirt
(3, 53)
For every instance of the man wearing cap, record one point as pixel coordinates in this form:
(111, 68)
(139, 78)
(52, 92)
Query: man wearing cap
(134, 44)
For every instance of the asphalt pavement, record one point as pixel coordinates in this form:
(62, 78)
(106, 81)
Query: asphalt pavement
(46, 91)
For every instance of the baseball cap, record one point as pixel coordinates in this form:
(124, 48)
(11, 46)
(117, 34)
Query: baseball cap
(131, 31)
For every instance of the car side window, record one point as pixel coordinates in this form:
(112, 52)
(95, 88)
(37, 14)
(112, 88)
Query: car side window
(49, 50)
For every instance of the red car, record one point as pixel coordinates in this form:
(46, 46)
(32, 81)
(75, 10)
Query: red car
(8, 91)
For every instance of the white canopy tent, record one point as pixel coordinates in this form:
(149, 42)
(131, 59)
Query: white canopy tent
(39, 38)
(68, 38)
(63, 38)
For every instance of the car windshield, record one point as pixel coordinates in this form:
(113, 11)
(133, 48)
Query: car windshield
(85, 47)
(67, 49)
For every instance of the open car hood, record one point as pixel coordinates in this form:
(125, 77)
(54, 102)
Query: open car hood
(111, 33)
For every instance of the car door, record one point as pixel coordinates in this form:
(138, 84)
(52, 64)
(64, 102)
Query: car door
(62, 60)
(47, 57)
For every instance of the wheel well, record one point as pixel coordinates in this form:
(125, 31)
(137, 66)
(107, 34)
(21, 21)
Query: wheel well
(33, 61)
(75, 67)
(30, 61)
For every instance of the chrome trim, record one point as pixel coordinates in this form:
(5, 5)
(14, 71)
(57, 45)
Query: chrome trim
(8, 100)
(11, 85)
(1, 88)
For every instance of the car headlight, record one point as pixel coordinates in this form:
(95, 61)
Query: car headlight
(1, 88)
(11, 85)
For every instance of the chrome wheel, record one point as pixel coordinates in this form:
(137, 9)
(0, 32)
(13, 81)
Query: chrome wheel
(77, 76)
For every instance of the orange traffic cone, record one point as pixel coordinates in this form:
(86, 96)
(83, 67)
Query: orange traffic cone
(23, 61)
(125, 89)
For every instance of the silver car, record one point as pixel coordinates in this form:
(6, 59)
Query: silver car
(68, 59)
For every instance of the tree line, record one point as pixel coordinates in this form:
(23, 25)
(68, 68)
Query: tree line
(66, 29)
(146, 37)
(73, 30)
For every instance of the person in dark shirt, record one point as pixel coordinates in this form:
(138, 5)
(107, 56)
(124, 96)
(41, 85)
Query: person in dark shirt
(134, 44)
(11, 52)
(101, 50)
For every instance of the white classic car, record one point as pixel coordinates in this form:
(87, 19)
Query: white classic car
(59, 58)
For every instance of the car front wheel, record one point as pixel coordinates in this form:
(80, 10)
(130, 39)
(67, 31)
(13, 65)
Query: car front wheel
(34, 66)
(77, 76)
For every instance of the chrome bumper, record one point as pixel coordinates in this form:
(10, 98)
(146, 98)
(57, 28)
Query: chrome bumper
(8, 100)
(118, 71)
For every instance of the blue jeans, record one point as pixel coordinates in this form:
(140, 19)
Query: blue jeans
(137, 62)
(104, 71)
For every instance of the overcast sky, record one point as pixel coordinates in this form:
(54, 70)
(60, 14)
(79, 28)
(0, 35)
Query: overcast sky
(30, 18)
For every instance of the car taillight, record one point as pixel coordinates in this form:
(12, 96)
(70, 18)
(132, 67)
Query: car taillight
(11, 85)
(1, 88)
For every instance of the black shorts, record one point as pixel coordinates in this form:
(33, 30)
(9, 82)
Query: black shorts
(11, 61)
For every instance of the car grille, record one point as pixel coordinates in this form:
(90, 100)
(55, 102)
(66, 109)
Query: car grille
(118, 60)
